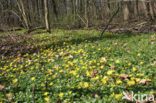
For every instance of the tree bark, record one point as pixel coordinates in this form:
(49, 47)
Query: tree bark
(22, 9)
(46, 11)
(86, 13)
(146, 5)
(126, 11)
(136, 8)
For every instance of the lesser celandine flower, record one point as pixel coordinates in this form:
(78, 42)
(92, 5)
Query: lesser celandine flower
(42, 85)
(46, 93)
(61, 95)
(104, 80)
(86, 85)
(110, 72)
(141, 63)
(33, 78)
(117, 61)
(118, 96)
(15, 80)
(51, 83)
(69, 92)
(130, 83)
(137, 79)
(47, 99)
(139, 55)
(118, 81)
(134, 69)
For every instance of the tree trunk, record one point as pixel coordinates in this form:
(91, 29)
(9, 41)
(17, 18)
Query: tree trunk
(152, 11)
(22, 9)
(46, 12)
(136, 8)
(86, 13)
(146, 5)
(54, 9)
(126, 11)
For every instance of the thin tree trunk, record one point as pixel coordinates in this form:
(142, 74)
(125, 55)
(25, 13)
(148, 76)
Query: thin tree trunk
(46, 16)
(136, 9)
(22, 9)
(126, 11)
(152, 11)
(146, 6)
(54, 9)
(86, 13)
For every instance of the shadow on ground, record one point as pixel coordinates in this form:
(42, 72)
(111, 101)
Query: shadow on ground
(13, 47)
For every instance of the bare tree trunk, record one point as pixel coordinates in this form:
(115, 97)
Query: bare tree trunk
(86, 13)
(22, 10)
(126, 11)
(146, 5)
(54, 9)
(46, 16)
(136, 8)
(152, 11)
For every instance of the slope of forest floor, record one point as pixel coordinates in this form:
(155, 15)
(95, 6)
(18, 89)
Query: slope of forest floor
(76, 66)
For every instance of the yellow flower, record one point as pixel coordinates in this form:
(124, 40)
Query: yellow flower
(103, 59)
(152, 92)
(96, 78)
(130, 83)
(139, 74)
(72, 87)
(138, 79)
(118, 96)
(42, 85)
(112, 95)
(104, 80)
(139, 55)
(141, 63)
(46, 93)
(61, 95)
(110, 72)
(88, 74)
(86, 85)
(69, 92)
(15, 80)
(51, 83)
(117, 61)
(118, 82)
(47, 99)
(33, 78)
(134, 69)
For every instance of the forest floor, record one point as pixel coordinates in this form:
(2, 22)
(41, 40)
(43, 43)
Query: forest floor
(76, 66)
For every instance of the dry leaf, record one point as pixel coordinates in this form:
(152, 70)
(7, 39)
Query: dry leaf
(125, 76)
(95, 95)
(143, 81)
(2, 86)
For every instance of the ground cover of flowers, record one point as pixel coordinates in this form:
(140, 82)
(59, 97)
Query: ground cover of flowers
(77, 66)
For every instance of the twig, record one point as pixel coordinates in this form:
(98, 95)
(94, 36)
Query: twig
(110, 20)
(81, 19)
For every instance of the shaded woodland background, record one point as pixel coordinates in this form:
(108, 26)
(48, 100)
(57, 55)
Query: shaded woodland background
(74, 14)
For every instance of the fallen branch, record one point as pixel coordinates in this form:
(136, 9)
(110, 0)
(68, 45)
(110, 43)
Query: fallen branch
(34, 29)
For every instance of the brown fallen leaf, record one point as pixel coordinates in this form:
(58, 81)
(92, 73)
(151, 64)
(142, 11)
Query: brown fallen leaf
(143, 81)
(113, 67)
(95, 95)
(125, 76)
(2, 86)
